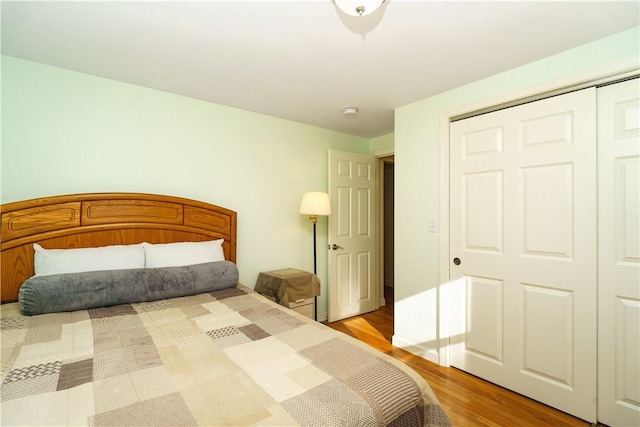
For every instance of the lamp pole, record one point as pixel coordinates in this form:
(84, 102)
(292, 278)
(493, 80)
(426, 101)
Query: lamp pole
(315, 267)
(315, 263)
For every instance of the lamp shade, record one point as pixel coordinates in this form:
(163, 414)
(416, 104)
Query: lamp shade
(315, 203)
(358, 7)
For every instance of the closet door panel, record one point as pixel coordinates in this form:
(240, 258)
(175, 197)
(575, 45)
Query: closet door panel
(523, 249)
(619, 254)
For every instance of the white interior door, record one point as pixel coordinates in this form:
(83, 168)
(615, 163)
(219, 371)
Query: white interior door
(619, 254)
(353, 261)
(523, 226)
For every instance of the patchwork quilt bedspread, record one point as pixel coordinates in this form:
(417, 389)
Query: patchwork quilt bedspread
(229, 357)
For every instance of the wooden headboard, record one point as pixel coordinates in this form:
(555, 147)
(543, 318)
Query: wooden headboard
(102, 219)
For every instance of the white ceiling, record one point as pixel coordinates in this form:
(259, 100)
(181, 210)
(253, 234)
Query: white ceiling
(303, 60)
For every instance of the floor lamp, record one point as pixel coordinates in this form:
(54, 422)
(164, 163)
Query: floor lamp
(315, 203)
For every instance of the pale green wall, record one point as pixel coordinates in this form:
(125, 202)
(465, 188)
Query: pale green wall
(381, 144)
(417, 175)
(64, 132)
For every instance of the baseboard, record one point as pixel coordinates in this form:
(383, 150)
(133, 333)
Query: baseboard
(322, 317)
(428, 354)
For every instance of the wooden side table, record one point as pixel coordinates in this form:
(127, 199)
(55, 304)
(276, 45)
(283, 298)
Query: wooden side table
(292, 288)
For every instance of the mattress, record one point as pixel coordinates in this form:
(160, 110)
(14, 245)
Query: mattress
(227, 357)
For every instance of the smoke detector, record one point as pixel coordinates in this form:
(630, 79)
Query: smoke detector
(350, 112)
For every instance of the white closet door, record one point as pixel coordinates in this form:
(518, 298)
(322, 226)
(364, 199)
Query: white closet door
(619, 254)
(523, 226)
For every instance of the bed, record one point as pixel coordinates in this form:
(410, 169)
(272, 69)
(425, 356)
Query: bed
(115, 345)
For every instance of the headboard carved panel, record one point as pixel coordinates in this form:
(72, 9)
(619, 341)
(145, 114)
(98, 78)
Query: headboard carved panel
(35, 220)
(118, 211)
(102, 219)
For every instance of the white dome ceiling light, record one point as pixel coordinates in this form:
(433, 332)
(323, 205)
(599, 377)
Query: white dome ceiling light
(358, 7)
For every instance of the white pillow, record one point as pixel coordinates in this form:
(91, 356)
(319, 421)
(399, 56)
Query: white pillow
(60, 261)
(182, 253)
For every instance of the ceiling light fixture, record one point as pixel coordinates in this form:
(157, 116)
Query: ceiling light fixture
(358, 7)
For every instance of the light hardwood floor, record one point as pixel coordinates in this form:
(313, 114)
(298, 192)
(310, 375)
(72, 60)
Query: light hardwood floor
(468, 400)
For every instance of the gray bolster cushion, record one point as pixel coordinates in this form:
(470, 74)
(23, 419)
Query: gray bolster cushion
(80, 291)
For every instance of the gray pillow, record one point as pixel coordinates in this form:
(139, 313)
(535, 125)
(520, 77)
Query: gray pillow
(91, 289)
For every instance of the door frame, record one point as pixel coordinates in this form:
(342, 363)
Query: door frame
(380, 155)
(599, 75)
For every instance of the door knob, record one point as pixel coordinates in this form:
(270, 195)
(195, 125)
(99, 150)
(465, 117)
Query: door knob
(334, 247)
(456, 261)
